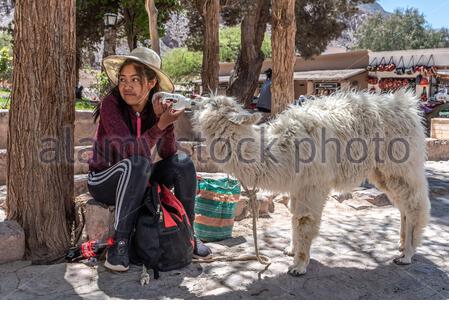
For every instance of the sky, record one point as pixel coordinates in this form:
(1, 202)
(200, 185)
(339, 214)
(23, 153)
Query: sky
(435, 11)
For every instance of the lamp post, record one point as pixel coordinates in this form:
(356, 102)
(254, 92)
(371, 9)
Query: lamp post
(110, 19)
(110, 34)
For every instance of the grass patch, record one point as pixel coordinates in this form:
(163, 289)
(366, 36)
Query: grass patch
(79, 105)
(84, 105)
(4, 99)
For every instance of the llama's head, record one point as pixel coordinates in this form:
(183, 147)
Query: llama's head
(221, 111)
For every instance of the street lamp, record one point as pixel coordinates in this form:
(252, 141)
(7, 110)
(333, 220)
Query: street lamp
(110, 19)
(110, 34)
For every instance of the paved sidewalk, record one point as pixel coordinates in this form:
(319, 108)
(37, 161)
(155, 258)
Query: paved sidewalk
(351, 259)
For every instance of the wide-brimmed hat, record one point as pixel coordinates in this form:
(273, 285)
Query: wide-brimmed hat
(145, 56)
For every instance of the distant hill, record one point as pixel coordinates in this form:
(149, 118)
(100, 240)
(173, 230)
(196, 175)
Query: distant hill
(348, 39)
(177, 28)
(6, 14)
(372, 8)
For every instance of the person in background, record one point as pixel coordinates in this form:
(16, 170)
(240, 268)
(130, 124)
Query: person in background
(264, 101)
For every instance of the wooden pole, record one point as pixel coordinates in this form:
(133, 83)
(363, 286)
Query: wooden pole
(152, 19)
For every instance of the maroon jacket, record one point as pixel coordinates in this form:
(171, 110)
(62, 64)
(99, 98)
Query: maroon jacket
(114, 141)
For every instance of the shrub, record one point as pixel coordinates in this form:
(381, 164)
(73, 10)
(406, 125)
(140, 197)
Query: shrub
(182, 65)
(103, 84)
(230, 38)
(5, 64)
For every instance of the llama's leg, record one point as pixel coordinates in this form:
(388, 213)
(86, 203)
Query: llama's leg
(408, 249)
(290, 249)
(411, 198)
(306, 220)
(402, 235)
(379, 180)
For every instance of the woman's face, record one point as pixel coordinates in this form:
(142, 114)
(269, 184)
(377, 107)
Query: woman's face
(134, 88)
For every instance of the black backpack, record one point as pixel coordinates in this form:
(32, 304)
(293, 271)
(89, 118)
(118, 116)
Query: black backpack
(163, 237)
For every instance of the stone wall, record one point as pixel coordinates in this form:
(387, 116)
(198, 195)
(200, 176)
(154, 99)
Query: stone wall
(4, 116)
(84, 128)
(437, 150)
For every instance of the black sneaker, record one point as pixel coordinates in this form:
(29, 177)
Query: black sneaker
(117, 258)
(201, 251)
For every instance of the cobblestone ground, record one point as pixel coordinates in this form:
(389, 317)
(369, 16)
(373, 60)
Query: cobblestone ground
(351, 259)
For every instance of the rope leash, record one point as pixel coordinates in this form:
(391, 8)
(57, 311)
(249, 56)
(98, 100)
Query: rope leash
(254, 205)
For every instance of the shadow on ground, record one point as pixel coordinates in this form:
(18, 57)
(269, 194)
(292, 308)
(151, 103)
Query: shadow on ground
(351, 259)
(421, 280)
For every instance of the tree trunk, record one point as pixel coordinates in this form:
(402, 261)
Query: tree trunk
(211, 47)
(283, 53)
(110, 41)
(41, 122)
(245, 78)
(152, 19)
(131, 36)
(78, 61)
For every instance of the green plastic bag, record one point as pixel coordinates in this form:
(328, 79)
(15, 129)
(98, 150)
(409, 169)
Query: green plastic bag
(215, 206)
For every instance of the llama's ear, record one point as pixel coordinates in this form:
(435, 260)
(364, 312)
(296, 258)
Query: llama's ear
(245, 118)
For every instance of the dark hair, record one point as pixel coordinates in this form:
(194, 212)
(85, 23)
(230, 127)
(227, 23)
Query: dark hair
(268, 73)
(144, 72)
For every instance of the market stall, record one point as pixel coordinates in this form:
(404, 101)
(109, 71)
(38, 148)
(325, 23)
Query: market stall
(426, 72)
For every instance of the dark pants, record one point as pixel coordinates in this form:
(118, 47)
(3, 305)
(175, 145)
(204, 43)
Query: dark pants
(124, 185)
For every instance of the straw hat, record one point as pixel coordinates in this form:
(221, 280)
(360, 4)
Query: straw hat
(146, 56)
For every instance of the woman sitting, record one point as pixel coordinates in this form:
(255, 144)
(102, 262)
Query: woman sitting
(121, 164)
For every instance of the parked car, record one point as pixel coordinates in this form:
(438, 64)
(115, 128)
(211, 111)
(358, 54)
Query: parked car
(442, 95)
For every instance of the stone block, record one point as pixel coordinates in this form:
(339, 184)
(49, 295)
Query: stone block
(2, 192)
(84, 128)
(373, 196)
(437, 150)
(265, 206)
(283, 199)
(264, 203)
(439, 128)
(81, 156)
(80, 184)
(269, 198)
(12, 241)
(4, 118)
(380, 200)
(340, 197)
(2, 203)
(358, 204)
(241, 211)
(3, 157)
(98, 218)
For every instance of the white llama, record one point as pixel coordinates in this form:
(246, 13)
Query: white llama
(329, 143)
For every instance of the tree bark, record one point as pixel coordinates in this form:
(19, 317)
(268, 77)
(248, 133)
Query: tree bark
(131, 34)
(283, 54)
(110, 42)
(245, 78)
(41, 122)
(152, 20)
(211, 47)
(78, 61)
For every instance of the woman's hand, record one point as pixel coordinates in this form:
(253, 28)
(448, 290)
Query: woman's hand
(160, 107)
(168, 117)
